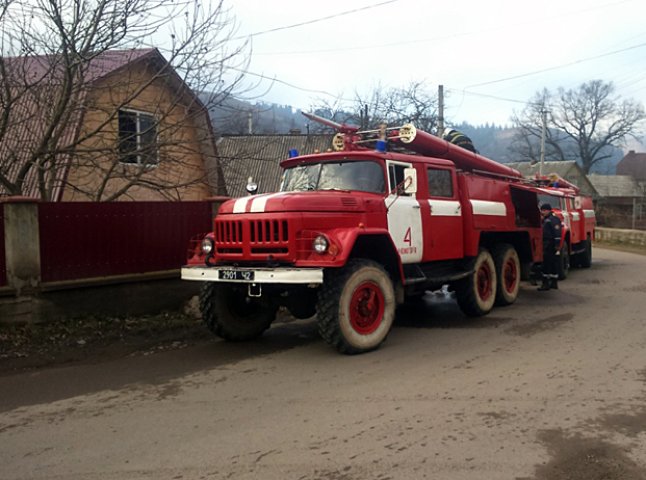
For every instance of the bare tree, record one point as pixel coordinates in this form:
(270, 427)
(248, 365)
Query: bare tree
(68, 105)
(582, 124)
(393, 106)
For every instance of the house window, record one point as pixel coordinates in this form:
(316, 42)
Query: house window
(440, 183)
(137, 138)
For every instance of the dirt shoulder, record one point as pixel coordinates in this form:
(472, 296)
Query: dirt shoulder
(35, 345)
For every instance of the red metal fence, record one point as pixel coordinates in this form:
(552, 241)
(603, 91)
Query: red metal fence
(82, 240)
(3, 266)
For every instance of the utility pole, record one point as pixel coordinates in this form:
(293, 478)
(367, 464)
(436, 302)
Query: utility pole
(543, 133)
(440, 110)
(364, 117)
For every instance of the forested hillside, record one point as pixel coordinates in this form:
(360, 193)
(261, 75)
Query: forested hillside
(235, 117)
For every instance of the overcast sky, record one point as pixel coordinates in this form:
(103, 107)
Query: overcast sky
(490, 55)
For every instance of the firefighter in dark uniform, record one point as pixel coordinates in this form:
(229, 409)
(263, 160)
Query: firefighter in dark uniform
(458, 138)
(551, 244)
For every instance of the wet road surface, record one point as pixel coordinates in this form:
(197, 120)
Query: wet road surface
(552, 387)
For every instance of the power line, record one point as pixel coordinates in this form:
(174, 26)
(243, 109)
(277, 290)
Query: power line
(484, 95)
(373, 46)
(316, 20)
(283, 82)
(464, 91)
(556, 67)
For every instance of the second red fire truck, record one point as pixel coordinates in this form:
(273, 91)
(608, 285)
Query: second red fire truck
(353, 233)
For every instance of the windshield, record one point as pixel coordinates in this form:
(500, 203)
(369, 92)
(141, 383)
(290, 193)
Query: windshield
(555, 202)
(361, 175)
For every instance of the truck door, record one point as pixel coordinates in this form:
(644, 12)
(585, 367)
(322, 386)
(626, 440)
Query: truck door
(404, 216)
(443, 228)
(576, 228)
(568, 218)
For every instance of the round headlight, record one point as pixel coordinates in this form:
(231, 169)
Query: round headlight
(320, 244)
(207, 246)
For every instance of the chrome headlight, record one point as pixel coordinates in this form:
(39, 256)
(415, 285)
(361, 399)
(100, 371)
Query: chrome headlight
(207, 246)
(320, 244)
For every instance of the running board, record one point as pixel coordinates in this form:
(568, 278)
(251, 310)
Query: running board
(437, 273)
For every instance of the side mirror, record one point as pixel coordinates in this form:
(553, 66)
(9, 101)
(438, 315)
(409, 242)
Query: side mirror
(410, 180)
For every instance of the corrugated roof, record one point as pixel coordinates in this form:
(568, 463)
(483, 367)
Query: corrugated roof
(529, 169)
(616, 185)
(258, 156)
(48, 68)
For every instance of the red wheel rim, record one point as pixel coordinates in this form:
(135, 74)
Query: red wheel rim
(484, 280)
(510, 276)
(366, 308)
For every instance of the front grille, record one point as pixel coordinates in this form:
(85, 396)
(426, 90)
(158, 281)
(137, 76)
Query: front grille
(268, 231)
(258, 238)
(228, 231)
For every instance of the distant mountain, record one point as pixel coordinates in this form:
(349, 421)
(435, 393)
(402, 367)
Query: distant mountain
(236, 117)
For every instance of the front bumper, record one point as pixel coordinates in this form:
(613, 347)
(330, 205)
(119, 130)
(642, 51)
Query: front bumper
(305, 276)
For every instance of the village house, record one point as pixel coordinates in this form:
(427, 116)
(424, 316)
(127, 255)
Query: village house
(133, 130)
(622, 197)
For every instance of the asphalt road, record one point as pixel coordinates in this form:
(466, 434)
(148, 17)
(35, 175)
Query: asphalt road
(552, 387)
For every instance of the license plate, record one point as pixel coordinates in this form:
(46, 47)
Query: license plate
(244, 275)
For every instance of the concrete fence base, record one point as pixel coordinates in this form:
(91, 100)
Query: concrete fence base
(635, 238)
(129, 299)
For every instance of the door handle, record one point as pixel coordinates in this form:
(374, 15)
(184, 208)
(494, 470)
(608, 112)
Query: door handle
(416, 206)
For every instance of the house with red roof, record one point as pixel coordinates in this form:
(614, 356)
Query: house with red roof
(122, 125)
(633, 164)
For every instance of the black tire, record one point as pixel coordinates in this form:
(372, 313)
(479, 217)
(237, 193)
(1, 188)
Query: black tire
(585, 258)
(356, 306)
(232, 315)
(508, 274)
(563, 263)
(476, 294)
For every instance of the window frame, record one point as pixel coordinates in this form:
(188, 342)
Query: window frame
(139, 153)
(431, 194)
(393, 183)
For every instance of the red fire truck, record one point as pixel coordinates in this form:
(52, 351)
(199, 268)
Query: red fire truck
(352, 233)
(578, 218)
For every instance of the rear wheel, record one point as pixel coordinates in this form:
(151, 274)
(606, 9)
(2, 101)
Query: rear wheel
(231, 314)
(356, 307)
(508, 273)
(476, 293)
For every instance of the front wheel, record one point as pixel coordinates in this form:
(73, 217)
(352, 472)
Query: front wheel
(476, 293)
(356, 307)
(563, 263)
(231, 314)
(585, 258)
